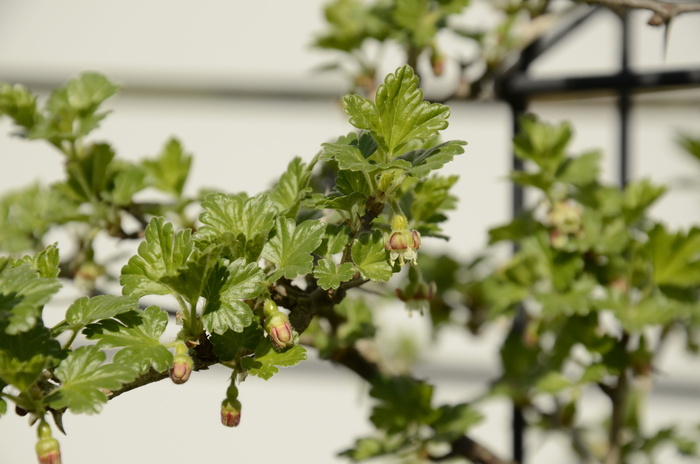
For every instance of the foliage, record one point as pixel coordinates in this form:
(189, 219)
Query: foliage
(222, 273)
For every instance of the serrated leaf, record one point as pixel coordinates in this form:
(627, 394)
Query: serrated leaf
(291, 188)
(290, 249)
(47, 261)
(191, 279)
(398, 117)
(580, 171)
(334, 240)
(239, 222)
(169, 171)
(454, 420)
(228, 344)
(23, 293)
(331, 275)
(267, 360)
(87, 91)
(87, 310)
(89, 176)
(225, 290)
(21, 374)
(371, 258)
(675, 257)
(160, 255)
(128, 180)
(424, 161)
(19, 104)
(138, 332)
(84, 378)
(403, 401)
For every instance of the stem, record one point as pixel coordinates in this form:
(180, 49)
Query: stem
(618, 397)
(71, 339)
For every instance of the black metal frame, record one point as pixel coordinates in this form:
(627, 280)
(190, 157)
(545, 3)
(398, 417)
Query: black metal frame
(516, 88)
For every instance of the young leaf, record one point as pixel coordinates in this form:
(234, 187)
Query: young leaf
(23, 293)
(454, 420)
(21, 374)
(290, 249)
(425, 160)
(398, 116)
(226, 289)
(228, 344)
(84, 379)
(371, 258)
(90, 175)
(675, 256)
(139, 334)
(267, 360)
(240, 223)
(331, 275)
(87, 310)
(128, 180)
(169, 171)
(159, 256)
(19, 104)
(291, 188)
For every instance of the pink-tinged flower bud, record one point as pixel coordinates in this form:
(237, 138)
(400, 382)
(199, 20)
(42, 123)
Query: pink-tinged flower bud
(47, 448)
(402, 243)
(231, 412)
(182, 365)
(280, 331)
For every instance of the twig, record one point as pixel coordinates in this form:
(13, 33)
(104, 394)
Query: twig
(663, 12)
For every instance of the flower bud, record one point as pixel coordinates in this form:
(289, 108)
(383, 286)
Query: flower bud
(230, 412)
(277, 326)
(402, 243)
(182, 365)
(47, 448)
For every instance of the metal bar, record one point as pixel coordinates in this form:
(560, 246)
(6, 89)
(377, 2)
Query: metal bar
(521, 85)
(624, 100)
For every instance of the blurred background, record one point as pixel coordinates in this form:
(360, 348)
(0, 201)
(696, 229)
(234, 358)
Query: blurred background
(238, 84)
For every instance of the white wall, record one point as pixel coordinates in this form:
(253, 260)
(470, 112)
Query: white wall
(220, 50)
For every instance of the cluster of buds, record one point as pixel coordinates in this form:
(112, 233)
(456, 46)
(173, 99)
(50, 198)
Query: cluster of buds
(278, 327)
(402, 243)
(47, 448)
(182, 364)
(565, 218)
(231, 408)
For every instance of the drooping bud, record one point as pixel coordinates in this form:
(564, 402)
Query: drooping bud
(47, 448)
(231, 408)
(230, 412)
(278, 327)
(182, 365)
(437, 61)
(402, 243)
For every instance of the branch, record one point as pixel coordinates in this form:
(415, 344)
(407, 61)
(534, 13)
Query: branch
(464, 446)
(663, 12)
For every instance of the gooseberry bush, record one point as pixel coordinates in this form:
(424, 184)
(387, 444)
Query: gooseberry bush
(594, 290)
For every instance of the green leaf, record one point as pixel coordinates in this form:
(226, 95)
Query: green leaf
(371, 258)
(89, 90)
(454, 420)
(138, 332)
(47, 261)
(84, 378)
(90, 175)
(128, 180)
(21, 374)
(425, 160)
(334, 240)
(403, 402)
(638, 197)
(169, 171)
(675, 257)
(23, 293)
(398, 117)
(240, 223)
(580, 171)
(553, 382)
(544, 144)
(191, 279)
(19, 104)
(87, 310)
(290, 248)
(227, 345)
(160, 255)
(226, 289)
(267, 360)
(331, 275)
(291, 188)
